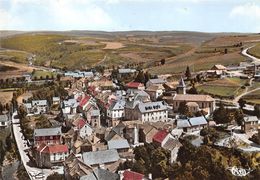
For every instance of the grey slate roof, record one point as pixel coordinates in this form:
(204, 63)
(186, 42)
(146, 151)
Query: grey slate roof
(196, 121)
(125, 71)
(39, 102)
(157, 81)
(100, 157)
(70, 103)
(100, 174)
(4, 118)
(183, 123)
(250, 118)
(47, 131)
(118, 144)
(152, 106)
(117, 105)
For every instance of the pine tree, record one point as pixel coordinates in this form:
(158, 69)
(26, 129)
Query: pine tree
(188, 73)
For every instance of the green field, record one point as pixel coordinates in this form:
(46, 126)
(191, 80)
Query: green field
(253, 98)
(75, 52)
(255, 51)
(226, 88)
(38, 74)
(14, 56)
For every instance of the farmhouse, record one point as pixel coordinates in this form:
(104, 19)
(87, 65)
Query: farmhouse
(47, 136)
(249, 123)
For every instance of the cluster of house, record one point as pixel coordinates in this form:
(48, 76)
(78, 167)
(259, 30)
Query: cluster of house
(99, 127)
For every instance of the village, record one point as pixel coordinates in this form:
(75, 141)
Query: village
(93, 123)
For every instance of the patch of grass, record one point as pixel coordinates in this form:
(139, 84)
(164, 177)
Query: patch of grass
(253, 98)
(38, 74)
(227, 87)
(14, 56)
(255, 51)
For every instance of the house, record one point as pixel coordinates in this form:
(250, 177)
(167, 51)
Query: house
(56, 100)
(39, 106)
(100, 174)
(157, 81)
(205, 102)
(47, 136)
(123, 73)
(4, 121)
(69, 106)
(116, 132)
(28, 107)
(131, 175)
(82, 127)
(121, 145)
(51, 154)
(147, 133)
(217, 71)
(198, 123)
(85, 102)
(167, 141)
(100, 158)
(147, 111)
(92, 114)
(135, 85)
(155, 91)
(75, 168)
(79, 74)
(249, 123)
(192, 124)
(116, 112)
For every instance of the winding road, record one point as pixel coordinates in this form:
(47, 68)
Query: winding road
(254, 59)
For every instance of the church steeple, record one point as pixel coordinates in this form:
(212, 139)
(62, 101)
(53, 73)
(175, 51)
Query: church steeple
(181, 88)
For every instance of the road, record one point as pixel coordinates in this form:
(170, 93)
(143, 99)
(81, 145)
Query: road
(22, 147)
(255, 60)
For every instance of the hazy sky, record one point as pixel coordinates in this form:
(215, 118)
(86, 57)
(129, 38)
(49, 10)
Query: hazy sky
(118, 15)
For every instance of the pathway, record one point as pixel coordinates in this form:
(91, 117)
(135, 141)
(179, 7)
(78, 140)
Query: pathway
(254, 59)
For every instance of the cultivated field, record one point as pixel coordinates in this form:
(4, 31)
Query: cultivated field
(227, 87)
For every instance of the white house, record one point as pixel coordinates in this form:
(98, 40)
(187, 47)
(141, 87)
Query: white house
(69, 106)
(39, 106)
(115, 112)
(4, 121)
(82, 127)
(158, 81)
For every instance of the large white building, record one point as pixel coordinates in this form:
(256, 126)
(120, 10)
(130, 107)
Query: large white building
(116, 112)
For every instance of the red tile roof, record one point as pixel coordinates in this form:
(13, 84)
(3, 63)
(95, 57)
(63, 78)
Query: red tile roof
(160, 136)
(55, 148)
(134, 84)
(84, 101)
(81, 123)
(131, 175)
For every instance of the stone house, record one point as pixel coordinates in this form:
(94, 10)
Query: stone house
(47, 136)
(249, 123)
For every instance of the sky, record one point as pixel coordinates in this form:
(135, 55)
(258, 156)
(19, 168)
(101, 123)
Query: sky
(126, 15)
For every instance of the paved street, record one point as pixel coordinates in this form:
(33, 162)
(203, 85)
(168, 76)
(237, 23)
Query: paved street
(22, 146)
(254, 59)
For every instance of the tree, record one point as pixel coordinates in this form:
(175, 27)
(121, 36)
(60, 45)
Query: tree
(184, 109)
(55, 176)
(188, 73)
(257, 110)
(140, 77)
(58, 77)
(241, 103)
(193, 90)
(162, 61)
(1, 108)
(221, 115)
(225, 51)
(239, 117)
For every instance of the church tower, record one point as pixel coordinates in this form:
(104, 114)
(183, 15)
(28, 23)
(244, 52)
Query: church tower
(181, 88)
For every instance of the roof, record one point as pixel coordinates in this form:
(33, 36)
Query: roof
(134, 84)
(181, 83)
(160, 136)
(118, 144)
(196, 121)
(28, 105)
(39, 102)
(84, 101)
(183, 123)
(56, 99)
(250, 118)
(4, 118)
(48, 131)
(125, 71)
(100, 174)
(152, 106)
(54, 148)
(70, 102)
(171, 144)
(100, 157)
(81, 123)
(117, 105)
(218, 67)
(157, 81)
(192, 97)
(131, 175)
(154, 87)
